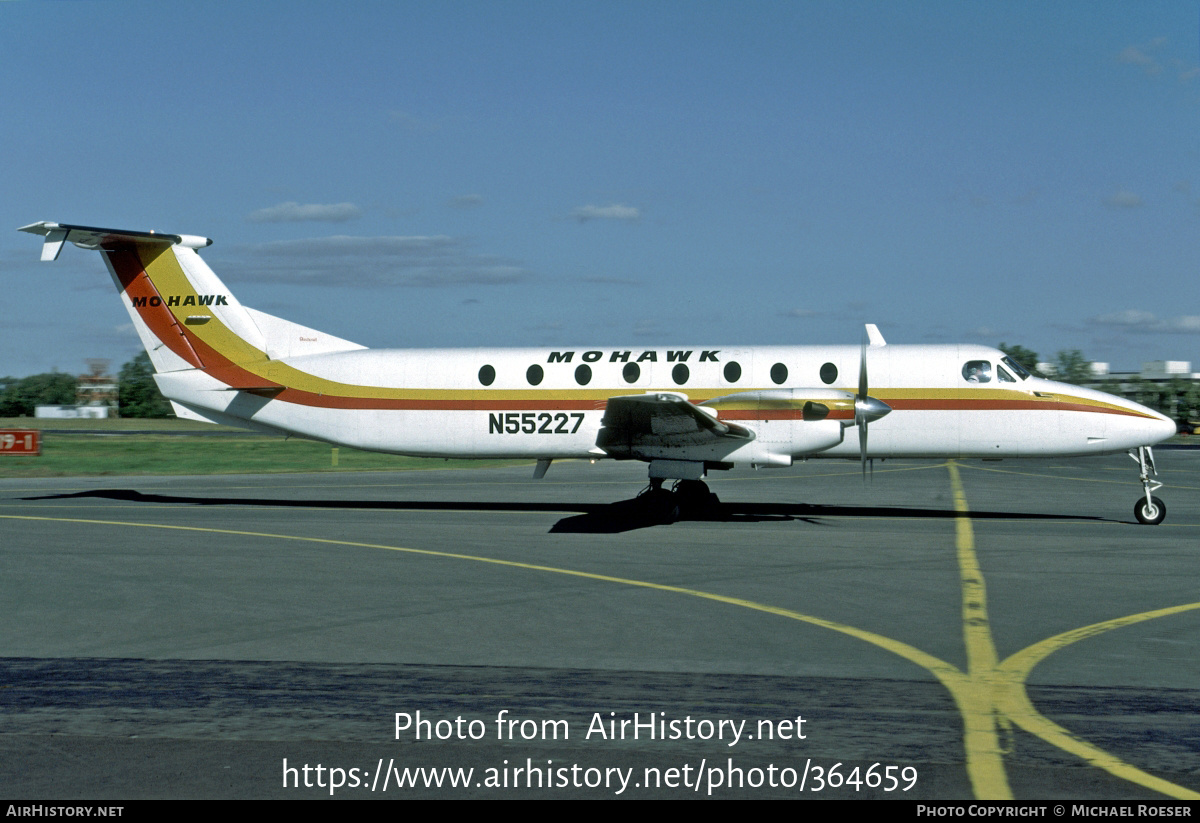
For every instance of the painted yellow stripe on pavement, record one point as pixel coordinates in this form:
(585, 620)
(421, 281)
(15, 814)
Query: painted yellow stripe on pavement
(977, 696)
(939, 668)
(988, 696)
(1015, 702)
(995, 695)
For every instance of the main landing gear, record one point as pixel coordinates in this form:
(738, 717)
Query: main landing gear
(687, 498)
(1148, 510)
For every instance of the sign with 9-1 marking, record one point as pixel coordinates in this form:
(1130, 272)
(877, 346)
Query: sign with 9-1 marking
(20, 441)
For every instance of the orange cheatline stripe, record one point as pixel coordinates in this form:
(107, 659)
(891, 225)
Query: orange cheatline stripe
(1020, 403)
(204, 347)
(136, 284)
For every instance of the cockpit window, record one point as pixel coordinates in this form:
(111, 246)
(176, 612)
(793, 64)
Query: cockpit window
(1021, 371)
(1004, 376)
(977, 371)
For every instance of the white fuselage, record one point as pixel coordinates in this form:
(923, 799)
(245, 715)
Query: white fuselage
(435, 403)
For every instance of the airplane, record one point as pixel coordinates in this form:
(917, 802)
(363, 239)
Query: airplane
(685, 411)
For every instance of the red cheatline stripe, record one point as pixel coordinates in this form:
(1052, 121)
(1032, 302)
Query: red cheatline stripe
(136, 283)
(993, 404)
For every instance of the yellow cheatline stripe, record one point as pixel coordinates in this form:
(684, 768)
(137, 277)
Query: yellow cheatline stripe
(969, 393)
(166, 272)
(1015, 702)
(977, 696)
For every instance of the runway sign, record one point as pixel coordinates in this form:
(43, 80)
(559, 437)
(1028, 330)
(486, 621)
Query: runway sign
(20, 441)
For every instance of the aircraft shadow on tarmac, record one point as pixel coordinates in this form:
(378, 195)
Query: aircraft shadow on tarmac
(590, 518)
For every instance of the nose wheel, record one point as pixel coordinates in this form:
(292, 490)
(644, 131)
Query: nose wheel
(1149, 510)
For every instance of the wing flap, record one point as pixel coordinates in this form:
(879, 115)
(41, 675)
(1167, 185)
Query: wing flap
(644, 425)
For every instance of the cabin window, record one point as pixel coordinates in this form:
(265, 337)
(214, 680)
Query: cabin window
(733, 372)
(977, 371)
(487, 375)
(779, 374)
(680, 374)
(828, 373)
(583, 375)
(631, 372)
(534, 374)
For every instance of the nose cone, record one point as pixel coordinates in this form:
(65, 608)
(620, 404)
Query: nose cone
(1161, 428)
(1140, 425)
(869, 409)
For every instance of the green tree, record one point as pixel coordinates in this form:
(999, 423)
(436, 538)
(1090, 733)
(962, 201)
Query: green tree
(1026, 357)
(1189, 404)
(1138, 390)
(1174, 399)
(21, 396)
(1070, 366)
(139, 394)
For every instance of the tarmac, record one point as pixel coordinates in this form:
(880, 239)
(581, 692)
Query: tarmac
(945, 631)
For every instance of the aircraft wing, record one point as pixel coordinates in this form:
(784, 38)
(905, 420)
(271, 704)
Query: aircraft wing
(638, 425)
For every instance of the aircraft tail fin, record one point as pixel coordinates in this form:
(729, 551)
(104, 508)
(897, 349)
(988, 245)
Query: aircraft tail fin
(185, 316)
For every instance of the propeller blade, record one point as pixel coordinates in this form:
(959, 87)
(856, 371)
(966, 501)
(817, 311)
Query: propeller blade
(862, 446)
(862, 370)
(860, 417)
(867, 409)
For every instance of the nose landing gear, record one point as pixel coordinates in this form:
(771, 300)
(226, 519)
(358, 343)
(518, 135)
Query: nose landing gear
(1149, 510)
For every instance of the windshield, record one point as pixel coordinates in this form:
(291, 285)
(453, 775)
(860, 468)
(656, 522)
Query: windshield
(1021, 371)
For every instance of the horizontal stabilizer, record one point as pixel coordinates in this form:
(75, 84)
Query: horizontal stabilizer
(93, 237)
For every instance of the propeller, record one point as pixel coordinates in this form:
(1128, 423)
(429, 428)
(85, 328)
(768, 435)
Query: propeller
(867, 409)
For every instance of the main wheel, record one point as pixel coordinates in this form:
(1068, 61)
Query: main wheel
(660, 505)
(1150, 514)
(695, 498)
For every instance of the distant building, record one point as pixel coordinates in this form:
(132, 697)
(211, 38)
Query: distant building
(74, 412)
(97, 388)
(96, 396)
(1098, 369)
(1168, 370)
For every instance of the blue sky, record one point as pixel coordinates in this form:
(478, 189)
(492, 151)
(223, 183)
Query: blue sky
(617, 173)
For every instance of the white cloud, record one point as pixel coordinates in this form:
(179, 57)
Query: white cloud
(1150, 57)
(1136, 320)
(466, 201)
(296, 212)
(613, 211)
(1124, 199)
(647, 328)
(343, 261)
(1142, 54)
(611, 281)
